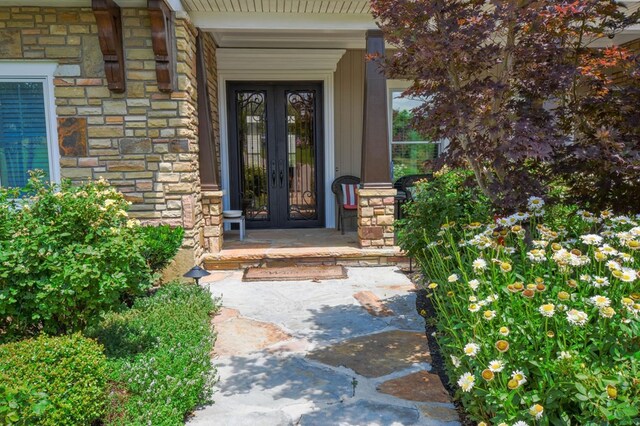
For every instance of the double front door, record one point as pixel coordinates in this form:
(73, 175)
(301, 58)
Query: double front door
(276, 154)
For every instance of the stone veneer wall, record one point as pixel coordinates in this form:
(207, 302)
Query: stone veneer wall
(143, 141)
(376, 216)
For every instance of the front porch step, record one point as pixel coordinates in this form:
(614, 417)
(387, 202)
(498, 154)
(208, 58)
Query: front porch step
(239, 258)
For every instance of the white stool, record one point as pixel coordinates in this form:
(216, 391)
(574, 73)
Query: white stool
(240, 221)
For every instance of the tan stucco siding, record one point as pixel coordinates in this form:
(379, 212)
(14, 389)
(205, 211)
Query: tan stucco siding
(349, 102)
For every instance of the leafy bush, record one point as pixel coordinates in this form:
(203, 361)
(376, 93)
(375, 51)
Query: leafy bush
(540, 325)
(67, 254)
(159, 355)
(19, 404)
(52, 381)
(160, 245)
(450, 195)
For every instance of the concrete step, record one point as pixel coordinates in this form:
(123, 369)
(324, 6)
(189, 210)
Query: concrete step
(239, 258)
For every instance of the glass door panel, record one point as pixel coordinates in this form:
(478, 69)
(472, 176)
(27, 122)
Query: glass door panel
(252, 140)
(301, 154)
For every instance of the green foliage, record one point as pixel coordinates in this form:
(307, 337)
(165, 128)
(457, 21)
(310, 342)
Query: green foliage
(449, 196)
(159, 356)
(67, 254)
(19, 404)
(52, 381)
(540, 323)
(160, 245)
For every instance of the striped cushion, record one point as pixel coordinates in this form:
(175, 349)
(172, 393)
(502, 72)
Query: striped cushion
(350, 199)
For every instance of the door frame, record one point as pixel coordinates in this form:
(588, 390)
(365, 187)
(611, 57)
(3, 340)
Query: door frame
(256, 65)
(278, 119)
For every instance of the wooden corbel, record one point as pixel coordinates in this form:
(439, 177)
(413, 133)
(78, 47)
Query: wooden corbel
(109, 22)
(163, 41)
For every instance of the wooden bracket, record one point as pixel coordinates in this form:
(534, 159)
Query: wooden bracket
(109, 22)
(164, 42)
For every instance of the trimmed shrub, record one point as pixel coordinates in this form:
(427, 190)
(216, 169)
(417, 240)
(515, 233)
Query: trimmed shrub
(160, 245)
(67, 254)
(451, 195)
(52, 381)
(159, 355)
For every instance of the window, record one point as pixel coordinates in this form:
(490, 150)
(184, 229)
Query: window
(410, 151)
(27, 132)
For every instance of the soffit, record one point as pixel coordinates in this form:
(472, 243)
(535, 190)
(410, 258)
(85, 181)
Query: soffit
(279, 6)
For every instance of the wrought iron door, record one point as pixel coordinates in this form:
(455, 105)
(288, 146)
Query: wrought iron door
(276, 154)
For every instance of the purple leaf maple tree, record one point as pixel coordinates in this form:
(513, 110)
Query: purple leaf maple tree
(521, 93)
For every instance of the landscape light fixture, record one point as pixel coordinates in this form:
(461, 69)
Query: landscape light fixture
(196, 273)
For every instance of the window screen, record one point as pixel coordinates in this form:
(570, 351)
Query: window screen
(410, 150)
(23, 131)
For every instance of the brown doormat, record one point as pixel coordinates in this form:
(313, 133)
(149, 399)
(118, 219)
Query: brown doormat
(295, 273)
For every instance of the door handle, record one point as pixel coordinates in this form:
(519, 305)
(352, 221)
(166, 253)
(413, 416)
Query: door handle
(273, 174)
(281, 173)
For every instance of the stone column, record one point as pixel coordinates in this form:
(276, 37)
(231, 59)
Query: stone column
(376, 206)
(212, 213)
(376, 214)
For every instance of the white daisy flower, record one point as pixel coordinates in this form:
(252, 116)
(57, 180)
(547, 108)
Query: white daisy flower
(536, 411)
(489, 315)
(599, 282)
(535, 203)
(576, 317)
(453, 278)
(564, 355)
(471, 349)
(496, 365)
(607, 312)
(547, 310)
(466, 382)
(613, 265)
(537, 255)
(474, 307)
(627, 275)
(519, 377)
(455, 361)
(479, 264)
(591, 239)
(474, 284)
(600, 301)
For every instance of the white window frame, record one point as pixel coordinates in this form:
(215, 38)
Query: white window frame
(394, 86)
(39, 72)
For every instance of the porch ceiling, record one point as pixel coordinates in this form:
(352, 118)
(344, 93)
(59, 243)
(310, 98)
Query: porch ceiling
(279, 6)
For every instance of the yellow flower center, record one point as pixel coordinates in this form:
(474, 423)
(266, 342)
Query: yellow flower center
(513, 384)
(487, 375)
(502, 345)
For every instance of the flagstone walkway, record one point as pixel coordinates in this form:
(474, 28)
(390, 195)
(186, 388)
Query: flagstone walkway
(336, 352)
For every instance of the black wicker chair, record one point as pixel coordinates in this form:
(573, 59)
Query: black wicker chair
(336, 188)
(403, 185)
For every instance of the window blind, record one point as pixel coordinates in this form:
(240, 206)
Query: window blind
(23, 131)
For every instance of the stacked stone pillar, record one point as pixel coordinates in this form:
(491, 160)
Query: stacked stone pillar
(212, 214)
(376, 215)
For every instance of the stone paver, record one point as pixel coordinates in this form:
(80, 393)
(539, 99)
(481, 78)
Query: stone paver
(376, 355)
(421, 386)
(319, 353)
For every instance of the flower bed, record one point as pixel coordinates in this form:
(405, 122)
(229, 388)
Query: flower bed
(539, 325)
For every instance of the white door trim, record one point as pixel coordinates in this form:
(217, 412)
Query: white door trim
(281, 65)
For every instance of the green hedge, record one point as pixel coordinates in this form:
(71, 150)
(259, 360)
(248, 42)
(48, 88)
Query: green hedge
(52, 381)
(159, 355)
